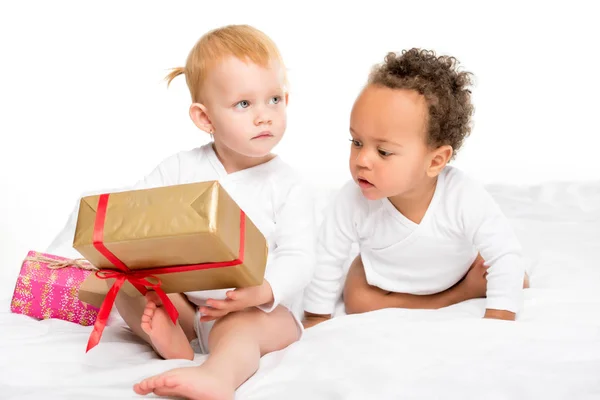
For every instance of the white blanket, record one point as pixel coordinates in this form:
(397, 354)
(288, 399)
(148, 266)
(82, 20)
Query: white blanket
(551, 352)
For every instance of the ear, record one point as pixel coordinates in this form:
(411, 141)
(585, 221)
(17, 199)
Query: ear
(199, 115)
(438, 159)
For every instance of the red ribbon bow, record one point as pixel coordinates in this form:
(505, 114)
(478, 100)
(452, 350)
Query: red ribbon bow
(140, 278)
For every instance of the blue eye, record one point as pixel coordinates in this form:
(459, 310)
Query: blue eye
(275, 99)
(243, 104)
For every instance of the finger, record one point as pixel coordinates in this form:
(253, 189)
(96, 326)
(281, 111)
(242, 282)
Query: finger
(212, 312)
(233, 294)
(238, 294)
(220, 304)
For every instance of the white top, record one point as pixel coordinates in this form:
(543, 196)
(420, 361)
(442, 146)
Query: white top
(272, 195)
(404, 257)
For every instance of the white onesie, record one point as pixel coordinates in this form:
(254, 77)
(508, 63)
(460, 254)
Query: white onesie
(277, 201)
(404, 257)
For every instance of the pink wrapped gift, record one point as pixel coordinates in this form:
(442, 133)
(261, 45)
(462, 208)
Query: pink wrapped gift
(47, 287)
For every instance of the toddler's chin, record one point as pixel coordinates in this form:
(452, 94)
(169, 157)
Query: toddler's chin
(371, 194)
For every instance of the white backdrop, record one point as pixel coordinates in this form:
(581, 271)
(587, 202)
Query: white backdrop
(83, 105)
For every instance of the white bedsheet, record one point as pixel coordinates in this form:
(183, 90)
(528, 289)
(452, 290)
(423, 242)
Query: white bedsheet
(551, 352)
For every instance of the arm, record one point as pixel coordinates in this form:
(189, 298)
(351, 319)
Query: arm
(291, 260)
(360, 297)
(499, 314)
(293, 257)
(167, 172)
(492, 234)
(164, 174)
(336, 236)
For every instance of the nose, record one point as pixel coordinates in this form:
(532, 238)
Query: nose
(362, 159)
(262, 117)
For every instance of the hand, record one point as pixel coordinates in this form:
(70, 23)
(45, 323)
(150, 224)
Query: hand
(237, 300)
(474, 284)
(499, 314)
(311, 320)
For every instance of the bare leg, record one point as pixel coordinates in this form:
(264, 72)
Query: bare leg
(361, 297)
(236, 343)
(147, 318)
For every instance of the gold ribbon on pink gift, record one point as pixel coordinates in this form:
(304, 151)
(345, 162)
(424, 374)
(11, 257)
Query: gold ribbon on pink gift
(53, 263)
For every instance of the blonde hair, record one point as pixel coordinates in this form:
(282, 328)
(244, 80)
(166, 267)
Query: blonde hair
(241, 41)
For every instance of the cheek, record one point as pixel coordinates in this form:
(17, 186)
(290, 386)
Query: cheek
(281, 118)
(232, 121)
(219, 118)
(352, 157)
(393, 171)
(412, 169)
(282, 121)
(352, 167)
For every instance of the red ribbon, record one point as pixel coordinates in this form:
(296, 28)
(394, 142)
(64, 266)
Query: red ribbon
(140, 278)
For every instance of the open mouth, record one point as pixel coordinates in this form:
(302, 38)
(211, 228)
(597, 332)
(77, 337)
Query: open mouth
(364, 184)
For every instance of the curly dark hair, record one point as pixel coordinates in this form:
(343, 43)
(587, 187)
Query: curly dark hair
(444, 87)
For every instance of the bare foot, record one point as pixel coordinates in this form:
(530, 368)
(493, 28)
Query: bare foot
(193, 383)
(168, 340)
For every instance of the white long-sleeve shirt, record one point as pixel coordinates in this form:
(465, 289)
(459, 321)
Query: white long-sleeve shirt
(426, 258)
(273, 196)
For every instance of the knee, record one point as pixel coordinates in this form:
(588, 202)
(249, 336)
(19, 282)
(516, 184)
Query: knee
(250, 317)
(354, 298)
(353, 303)
(271, 332)
(357, 301)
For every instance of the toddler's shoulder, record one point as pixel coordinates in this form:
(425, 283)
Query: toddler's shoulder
(467, 196)
(185, 158)
(460, 186)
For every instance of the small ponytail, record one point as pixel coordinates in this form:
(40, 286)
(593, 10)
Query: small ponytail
(174, 73)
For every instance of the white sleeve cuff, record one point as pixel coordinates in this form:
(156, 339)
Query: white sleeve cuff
(513, 304)
(268, 307)
(320, 308)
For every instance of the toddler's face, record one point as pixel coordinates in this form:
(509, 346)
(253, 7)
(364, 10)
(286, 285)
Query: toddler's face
(246, 105)
(389, 154)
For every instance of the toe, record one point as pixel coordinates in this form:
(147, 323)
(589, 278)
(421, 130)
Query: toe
(152, 297)
(147, 316)
(143, 387)
(138, 389)
(150, 308)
